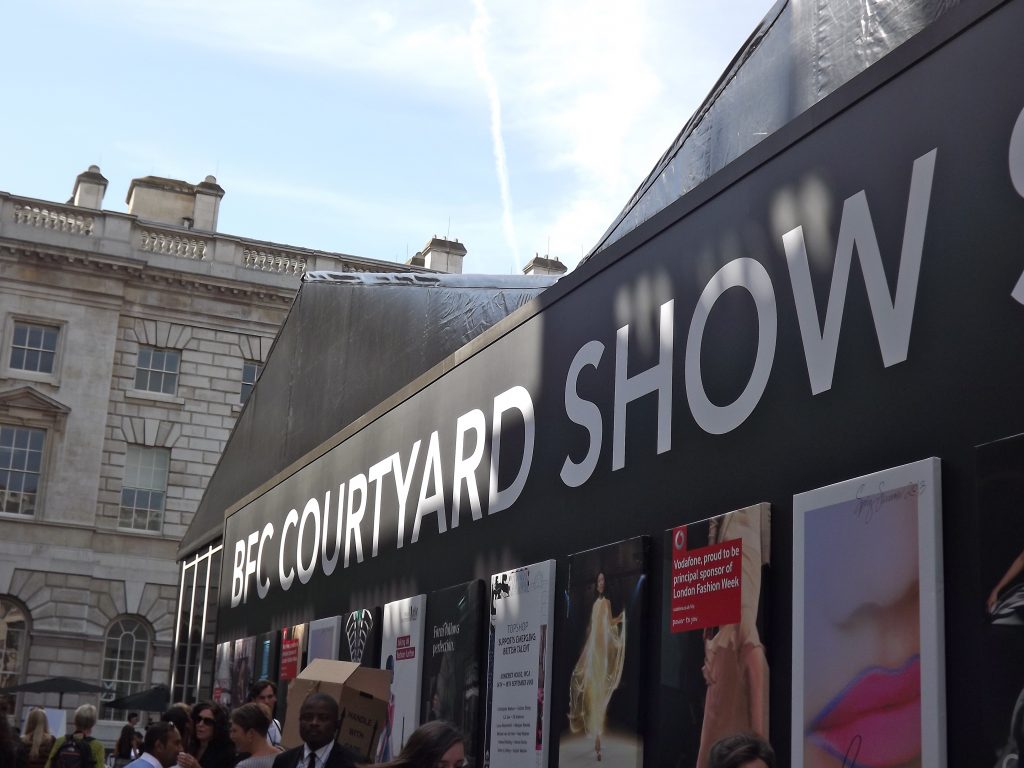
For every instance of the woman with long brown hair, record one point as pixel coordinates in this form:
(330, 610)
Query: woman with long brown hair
(436, 744)
(35, 744)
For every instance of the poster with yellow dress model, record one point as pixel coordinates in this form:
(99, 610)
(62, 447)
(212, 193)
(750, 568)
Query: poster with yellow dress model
(603, 647)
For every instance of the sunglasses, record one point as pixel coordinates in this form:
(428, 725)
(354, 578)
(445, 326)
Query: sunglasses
(206, 721)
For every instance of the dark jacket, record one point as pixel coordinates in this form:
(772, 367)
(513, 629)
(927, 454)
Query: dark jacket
(339, 758)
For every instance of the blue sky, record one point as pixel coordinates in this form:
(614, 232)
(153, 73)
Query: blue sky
(366, 128)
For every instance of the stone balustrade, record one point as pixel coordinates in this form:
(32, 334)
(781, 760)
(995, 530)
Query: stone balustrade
(55, 218)
(123, 236)
(172, 244)
(273, 261)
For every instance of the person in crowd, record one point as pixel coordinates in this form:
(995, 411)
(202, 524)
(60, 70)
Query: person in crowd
(133, 719)
(436, 744)
(319, 720)
(7, 738)
(741, 750)
(180, 715)
(84, 720)
(211, 747)
(249, 724)
(265, 692)
(161, 747)
(124, 749)
(36, 743)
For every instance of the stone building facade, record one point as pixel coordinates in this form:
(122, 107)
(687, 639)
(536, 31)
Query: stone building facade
(128, 344)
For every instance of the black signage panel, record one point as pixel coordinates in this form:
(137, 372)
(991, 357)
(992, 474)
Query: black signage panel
(845, 298)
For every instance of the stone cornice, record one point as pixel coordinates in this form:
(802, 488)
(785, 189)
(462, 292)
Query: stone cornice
(131, 270)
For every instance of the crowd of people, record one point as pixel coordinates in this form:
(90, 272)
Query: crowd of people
(206, 735)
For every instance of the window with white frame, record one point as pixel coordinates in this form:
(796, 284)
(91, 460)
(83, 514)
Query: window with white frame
(125, 661)
(144, 489)
(250, 373)
(157, 370)
(33, 347)
(21, 462)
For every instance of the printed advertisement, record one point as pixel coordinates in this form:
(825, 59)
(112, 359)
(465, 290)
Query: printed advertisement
(324, 639)
(519, 666)
(602, 651)
(222, 680)
(1000, 512)
(242, 667)
(402, 653)
(868, 667)
(714, 665)
(453, 663)
(361, 636)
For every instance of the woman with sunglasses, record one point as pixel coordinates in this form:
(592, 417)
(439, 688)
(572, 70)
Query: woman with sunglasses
(211, 745)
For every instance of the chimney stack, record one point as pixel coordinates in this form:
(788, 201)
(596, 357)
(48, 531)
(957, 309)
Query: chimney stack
(170, 201)
(542, 265)
(442, 255)
(90, 187)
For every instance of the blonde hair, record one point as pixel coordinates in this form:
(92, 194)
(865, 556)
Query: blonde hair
(37, 732)
(85, 717)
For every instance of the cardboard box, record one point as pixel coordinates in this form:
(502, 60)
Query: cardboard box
(362, 694)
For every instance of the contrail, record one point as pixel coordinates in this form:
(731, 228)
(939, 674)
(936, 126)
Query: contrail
(477, 34)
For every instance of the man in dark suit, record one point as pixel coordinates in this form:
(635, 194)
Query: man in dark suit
(319, 721)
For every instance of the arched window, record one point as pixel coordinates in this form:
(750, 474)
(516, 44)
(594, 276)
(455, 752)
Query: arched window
(13, 645)
(125, 661)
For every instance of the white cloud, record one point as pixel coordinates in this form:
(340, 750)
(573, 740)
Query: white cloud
(591, 92)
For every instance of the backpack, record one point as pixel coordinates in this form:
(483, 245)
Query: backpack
(73, 753)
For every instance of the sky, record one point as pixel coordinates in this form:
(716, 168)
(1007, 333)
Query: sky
(518, 128)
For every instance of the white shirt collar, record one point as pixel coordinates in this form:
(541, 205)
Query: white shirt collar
(150, 759)
(321, 755)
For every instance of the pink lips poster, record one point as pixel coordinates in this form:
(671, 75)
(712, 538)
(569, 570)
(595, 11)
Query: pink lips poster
(868, 685)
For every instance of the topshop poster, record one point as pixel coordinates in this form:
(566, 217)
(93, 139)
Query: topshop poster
(868, 660)
(519, 666)
(243, 665)
(222, 678)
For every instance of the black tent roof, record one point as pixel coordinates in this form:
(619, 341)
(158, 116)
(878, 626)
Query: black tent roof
(349, 342)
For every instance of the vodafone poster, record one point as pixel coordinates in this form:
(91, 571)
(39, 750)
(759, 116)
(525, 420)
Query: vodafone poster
(714, 664)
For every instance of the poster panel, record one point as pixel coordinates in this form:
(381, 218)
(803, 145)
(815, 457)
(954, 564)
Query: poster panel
(291, 662)
(266, 655)
(360, 640)
(324, 639)
(519, 666)
(222, 674)
(1000, 469)
(242, 666)
(714, 664)
(602, 650)
(868, 668)
(402, 653)
(453, 662)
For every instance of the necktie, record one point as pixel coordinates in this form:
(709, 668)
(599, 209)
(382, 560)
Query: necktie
(311, 763)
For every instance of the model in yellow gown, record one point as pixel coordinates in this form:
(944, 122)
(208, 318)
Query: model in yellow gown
(599, 669)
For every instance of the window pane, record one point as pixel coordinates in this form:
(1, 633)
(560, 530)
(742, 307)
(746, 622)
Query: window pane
(35, 337)
(145, 485)
(50, 339)
(141, 379)
(46, 362)
(31, 360)
(170, 384)
(20, 468)
(18, 358)
(145, 354)
(20, 334)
